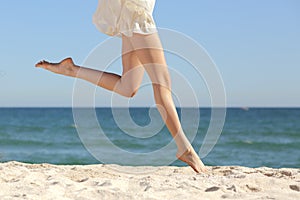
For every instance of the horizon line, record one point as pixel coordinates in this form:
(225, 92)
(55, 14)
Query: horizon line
(239, 107)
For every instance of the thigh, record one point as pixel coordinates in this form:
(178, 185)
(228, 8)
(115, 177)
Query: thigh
(133, 70)
(149, 51)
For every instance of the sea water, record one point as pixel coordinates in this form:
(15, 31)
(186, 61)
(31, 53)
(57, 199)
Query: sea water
(250, 137)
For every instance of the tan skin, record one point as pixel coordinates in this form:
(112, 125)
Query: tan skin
(139, 53)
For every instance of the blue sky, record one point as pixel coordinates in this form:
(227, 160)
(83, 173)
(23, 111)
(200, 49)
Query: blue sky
(255, 44)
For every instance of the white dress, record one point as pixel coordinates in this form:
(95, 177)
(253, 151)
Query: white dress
(116, 17)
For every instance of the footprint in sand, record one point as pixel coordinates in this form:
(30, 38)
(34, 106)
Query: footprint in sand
(212, 189)
(295, 187)
(233, 188)
(82, 180)
(227, 172)
(253, 188)
(286, 173)
(106, 183)
(269, 174)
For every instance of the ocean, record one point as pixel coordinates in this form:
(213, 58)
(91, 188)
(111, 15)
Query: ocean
(252, 137)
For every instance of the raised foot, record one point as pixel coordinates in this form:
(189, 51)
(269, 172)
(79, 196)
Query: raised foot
(65, 67)
(191, 158)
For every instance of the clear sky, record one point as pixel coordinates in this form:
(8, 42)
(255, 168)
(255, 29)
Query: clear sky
(255, 44)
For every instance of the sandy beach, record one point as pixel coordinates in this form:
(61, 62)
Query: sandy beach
(45, 181)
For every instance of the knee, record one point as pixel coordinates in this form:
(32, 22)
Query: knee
(159, 76)
(162, 84)
(161, 93)
(131, 94)
(126, 87)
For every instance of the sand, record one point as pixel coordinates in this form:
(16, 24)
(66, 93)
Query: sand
(45, 181)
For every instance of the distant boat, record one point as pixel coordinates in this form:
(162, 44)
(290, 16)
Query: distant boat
(245, 108)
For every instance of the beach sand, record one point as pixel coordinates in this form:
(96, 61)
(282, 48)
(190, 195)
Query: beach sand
(45, 181)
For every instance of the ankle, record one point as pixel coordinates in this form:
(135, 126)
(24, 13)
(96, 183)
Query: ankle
(75, 70)
(185, 151)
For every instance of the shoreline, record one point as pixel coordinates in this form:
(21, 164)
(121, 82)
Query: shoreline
(47, 181)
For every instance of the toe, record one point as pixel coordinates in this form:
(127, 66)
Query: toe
(40, 64)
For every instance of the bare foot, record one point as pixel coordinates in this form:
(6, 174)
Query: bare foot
(191, 158)
(65, 67)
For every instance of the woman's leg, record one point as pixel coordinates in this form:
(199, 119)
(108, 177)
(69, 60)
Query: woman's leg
(125, 85)
(138, 50)
(149, 51)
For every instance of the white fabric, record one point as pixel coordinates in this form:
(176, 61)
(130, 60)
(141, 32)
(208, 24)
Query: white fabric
(116, 17)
